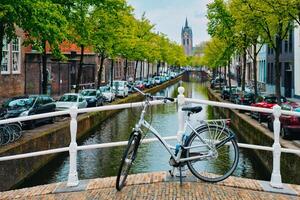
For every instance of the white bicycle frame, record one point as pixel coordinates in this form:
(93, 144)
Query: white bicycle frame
(143, 123)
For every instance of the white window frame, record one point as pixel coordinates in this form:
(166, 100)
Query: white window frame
(18, 71)
(8, 61)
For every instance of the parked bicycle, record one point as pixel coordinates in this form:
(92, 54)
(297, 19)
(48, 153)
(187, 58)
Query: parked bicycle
(10, 133)
(210, 151)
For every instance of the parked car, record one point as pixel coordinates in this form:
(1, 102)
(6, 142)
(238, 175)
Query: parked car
(157, 80)
(225, 94)
(173, 75)
(148, 83)
(289, 124)
(32, 105)
(121, 88)
(6, 104)
(69, 100)
(267, 101)
(92, 97)
(245, 98)
(107, 93)
(140, 85)
(217, 83)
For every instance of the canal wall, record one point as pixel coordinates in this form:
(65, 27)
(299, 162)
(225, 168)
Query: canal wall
(250, 131)
(56, 135)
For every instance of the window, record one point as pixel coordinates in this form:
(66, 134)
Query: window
(5, 58)
(16, 57)
(187, 41)
(11, 57)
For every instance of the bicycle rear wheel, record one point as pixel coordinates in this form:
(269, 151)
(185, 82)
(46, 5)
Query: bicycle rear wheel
(128, 158)
(218, 150)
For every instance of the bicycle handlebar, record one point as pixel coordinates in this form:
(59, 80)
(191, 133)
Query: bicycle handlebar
(154, 97)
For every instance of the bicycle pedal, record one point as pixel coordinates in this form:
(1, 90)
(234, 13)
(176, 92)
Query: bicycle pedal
(171, 174)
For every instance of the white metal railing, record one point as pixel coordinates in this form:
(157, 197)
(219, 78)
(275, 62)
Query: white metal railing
(181, 100)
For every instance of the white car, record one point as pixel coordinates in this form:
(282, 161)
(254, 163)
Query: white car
(107, 92)
(69, 100)
(121, 88)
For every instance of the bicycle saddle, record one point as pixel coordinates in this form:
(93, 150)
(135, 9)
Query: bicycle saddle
(195, 109)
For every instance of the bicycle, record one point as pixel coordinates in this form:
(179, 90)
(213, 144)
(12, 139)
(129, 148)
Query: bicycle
(212, 143)
(10, 133)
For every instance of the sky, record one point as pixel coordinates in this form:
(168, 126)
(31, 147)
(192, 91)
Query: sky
(169, 16)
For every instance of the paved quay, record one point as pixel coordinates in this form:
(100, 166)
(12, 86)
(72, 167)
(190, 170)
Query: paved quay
(158, 185)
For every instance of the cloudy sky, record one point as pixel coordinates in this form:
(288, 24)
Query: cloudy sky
(169, 16)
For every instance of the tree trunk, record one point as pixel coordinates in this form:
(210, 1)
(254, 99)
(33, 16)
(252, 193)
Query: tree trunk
(148, 70)
(255, 70)
(125, 69)
(244, 69)
(277, 71)
(136, 65)
(44, 69)
(229, 77)
(225, 73)
(220, 75)
(158, 66)
(79, 69)
(141, 72)
(100, 70)
(1, 39)
(112, 72)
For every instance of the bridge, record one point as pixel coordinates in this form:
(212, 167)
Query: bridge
(157, 185)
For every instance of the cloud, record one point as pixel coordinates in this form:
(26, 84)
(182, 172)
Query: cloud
(169, 16)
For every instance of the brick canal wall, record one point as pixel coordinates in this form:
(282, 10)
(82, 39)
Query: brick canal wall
(250, 131)
(52, 136)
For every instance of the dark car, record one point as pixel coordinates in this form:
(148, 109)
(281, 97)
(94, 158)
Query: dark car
(217, 82)
(5, 106)
(32, 105)
(289, 124)
(245, 98)
(92, 98)
(267, 101)
(225, 94)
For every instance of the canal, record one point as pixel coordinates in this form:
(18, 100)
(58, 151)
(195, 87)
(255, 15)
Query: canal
(151, 157)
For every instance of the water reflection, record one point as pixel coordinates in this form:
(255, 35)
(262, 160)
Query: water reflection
(151, 157)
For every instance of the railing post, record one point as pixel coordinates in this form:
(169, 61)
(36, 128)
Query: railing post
(73, 176)
(276, 176)
(180, 101)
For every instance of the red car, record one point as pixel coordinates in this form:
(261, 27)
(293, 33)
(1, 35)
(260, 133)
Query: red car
(265, 102)
(289, 124)
(140, 85)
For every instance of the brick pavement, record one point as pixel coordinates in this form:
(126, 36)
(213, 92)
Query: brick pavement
(153, 186)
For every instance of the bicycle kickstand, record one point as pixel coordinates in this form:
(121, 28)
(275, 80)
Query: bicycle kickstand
(180, 174)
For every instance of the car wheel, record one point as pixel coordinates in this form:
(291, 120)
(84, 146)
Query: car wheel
(259, 118)
(283, 133)
(32, 125)
(52, 120)
(270, 125)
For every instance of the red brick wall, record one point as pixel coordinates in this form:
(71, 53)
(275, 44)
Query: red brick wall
(13, 84)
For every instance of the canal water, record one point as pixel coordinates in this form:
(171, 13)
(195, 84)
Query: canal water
(151, 157)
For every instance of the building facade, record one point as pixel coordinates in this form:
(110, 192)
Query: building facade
(187, 39)
(286, 62)
(12, 66)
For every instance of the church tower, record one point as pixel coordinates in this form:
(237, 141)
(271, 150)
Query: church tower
(187, 38)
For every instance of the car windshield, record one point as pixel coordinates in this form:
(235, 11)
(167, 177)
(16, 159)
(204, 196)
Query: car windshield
(20, 103)
(104, 89)
(118, 84)
(69, 98)
(89, 93)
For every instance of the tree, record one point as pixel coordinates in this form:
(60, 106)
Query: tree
(221, 25)
(273, 21)
(45, 25)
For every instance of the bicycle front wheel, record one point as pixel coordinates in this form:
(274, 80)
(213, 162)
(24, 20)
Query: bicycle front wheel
(215, 153)
(128, 158)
